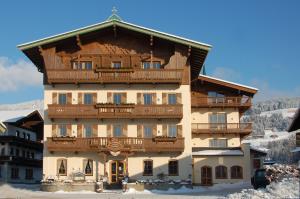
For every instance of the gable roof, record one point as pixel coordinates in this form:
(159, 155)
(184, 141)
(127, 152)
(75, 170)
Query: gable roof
(229, 84)
(115, 22)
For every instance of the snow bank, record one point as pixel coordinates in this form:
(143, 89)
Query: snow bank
(287, 188)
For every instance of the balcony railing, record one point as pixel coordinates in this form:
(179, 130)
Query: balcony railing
(116, 76)
(100, 111)
(114, 144)
(242, 128)
(21, 161)
(221, 101)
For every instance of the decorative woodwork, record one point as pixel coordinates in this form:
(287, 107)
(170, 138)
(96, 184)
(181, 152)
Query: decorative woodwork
(102, 111)
(241, 128)
(114, 144)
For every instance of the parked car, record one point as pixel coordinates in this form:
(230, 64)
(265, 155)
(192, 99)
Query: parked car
(260, 179)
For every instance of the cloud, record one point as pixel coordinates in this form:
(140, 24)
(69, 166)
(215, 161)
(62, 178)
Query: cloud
(17, 75)
(226, 74)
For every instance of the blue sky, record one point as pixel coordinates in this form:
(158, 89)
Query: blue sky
(256, 43)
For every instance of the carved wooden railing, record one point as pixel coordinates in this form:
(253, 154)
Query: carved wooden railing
(115, 76)
(114, 111)
(114, 144)
(221, 101)
(243, 128)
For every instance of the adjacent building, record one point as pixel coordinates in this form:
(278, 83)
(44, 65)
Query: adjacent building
(295, 127)
(21, 149)
(122, 99)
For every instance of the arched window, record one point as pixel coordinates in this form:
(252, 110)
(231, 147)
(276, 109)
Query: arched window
(221, 172)
(236, 172)
(62, 166)
(88, 167)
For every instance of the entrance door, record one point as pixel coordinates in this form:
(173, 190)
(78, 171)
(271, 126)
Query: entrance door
(206, 175)
(117, 171)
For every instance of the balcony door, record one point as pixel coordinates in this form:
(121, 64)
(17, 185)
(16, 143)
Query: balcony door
(117, 171)
(217, 121)
(206, 176)
(215, 97)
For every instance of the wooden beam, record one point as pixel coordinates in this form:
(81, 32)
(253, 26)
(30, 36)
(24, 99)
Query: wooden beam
(79, 43)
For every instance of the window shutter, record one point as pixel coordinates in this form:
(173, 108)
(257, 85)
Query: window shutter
(178, 98)
(164, 98)
(153, 98)
(69, 130)
(109, 130)
(179, 131)
(58, 162)
(95, 130)
(124, 131)
(54, 98)
(69, 98)
(84, 165)
(154, 130)
(94, 98)
(109, 97)
(80, 98)
(139, 98)
(123, 98)
(54, 130)
(164, 130)
(139, 131)
(79, 130)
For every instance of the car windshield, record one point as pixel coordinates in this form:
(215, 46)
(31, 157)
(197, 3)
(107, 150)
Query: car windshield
(261, 174)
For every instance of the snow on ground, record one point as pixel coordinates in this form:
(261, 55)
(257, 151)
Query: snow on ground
(287, 188)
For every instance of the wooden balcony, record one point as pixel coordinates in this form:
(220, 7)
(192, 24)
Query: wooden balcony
(16, 160)
(114, 144)
(204, 102)
(105, 111)
(221, 128)
(109, 75)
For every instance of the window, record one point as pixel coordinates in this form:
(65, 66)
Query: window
(173, 167)
(156, 64)
(62, 166)
(82, 65)
(62, 98)
(62, 130)
(116, 64)
(88, 167)
(14, 173)
(236, 172)
(17, 152)
(256, 163)
(221, 172)
(87, 131)
(88, 98)
(147, 98)
(28, 136)
(29, 174)
(172, 130)
(117, 98)
(148, 168)
(24, 135)
(117, 130)
(17, 133)
(11, 152)
(148, 131)
(32, 155)
(0, 171)
(28, 154)
(146, 65)
(23, 154)
(3, 151)
(215, 97)
(218, 143)
(172, 99)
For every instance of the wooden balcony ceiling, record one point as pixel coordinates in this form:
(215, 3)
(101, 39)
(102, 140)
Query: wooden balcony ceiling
(115, 144)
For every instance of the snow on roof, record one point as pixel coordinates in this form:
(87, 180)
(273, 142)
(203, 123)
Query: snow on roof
(218, 152)
(104, 24)
(14, 119)
(259, 149)
(229, 82)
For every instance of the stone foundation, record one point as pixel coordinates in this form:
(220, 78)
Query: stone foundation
(160, 186)
(68, 187)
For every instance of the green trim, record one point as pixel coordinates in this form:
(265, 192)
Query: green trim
(113, 21)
